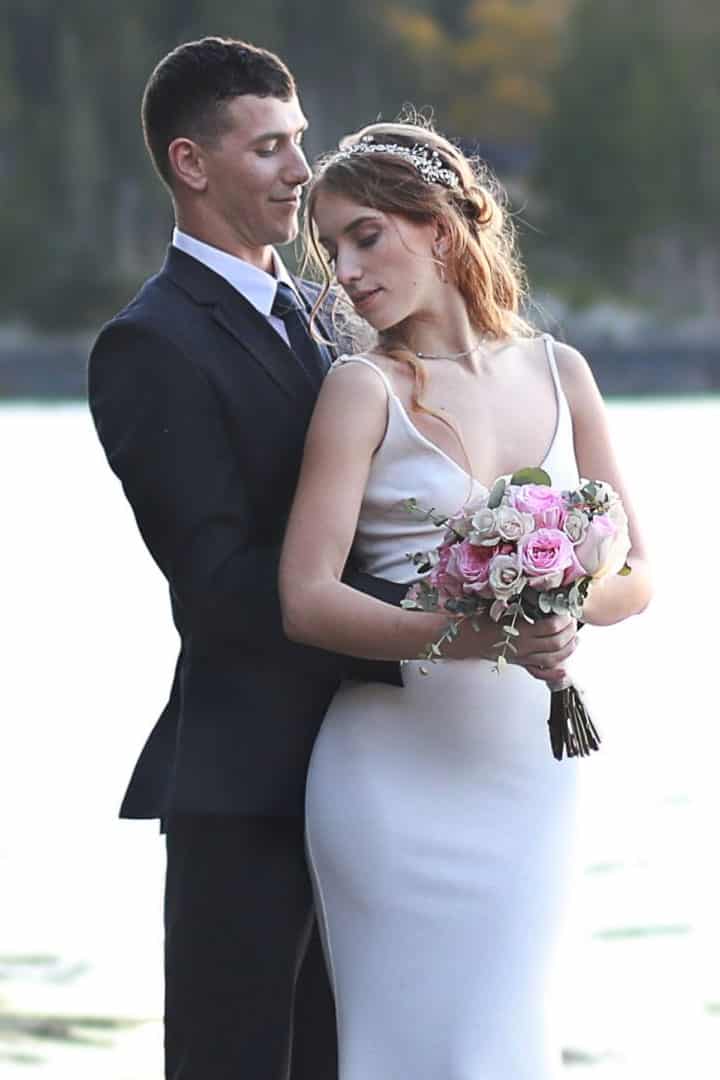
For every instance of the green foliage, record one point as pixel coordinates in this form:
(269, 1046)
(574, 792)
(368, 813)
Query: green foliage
(627, 97)
(82, 213)
(531, 476)
(627, 146)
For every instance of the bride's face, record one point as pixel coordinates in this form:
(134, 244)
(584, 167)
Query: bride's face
(384, 262)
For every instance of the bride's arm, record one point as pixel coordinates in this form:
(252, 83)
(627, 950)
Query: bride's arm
(614, 598)
(318, 608)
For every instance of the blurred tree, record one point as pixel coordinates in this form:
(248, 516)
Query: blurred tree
(83, 214)
(485, 64)
(630, 121)
(629, 159)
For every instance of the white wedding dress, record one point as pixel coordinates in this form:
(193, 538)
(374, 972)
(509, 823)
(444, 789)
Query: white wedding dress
(439, 826)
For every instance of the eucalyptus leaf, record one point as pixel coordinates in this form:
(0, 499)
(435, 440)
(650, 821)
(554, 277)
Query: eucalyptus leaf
(560, 604)
(545, 603)
(498, 490)
(531, 476)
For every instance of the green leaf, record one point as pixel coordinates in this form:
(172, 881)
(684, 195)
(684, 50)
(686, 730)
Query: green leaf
(531, 476)
(498, 490)
(512, 631)
(625, 570)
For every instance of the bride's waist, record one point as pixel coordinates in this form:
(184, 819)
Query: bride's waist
(459, 680)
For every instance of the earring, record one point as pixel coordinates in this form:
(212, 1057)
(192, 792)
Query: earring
(442, 270)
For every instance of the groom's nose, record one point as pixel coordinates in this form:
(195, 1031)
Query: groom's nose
(298, 171)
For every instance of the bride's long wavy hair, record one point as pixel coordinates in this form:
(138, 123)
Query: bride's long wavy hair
(482, 259)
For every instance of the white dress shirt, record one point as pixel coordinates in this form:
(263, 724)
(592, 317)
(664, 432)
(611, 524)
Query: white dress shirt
(257, 286)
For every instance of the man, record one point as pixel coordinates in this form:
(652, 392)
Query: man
(201, 391)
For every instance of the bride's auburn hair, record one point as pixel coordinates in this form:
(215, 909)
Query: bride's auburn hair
(481, 259)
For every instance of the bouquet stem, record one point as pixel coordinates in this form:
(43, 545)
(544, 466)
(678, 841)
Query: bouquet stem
(572, 732)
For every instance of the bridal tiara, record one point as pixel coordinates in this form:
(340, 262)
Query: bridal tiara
(424, 158)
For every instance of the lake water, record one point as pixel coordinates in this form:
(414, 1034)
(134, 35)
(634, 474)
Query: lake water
(87, 650)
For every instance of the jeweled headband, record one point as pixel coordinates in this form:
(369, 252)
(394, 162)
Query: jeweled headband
(422, 157)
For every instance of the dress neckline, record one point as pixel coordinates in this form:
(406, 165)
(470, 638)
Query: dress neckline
(438, 450)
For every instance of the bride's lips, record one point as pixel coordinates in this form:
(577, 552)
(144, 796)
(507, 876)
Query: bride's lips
(362, 301)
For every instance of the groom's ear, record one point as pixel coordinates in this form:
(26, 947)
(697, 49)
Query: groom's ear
(187, 164)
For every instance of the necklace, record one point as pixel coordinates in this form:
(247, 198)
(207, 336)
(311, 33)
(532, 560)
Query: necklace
(449, 356)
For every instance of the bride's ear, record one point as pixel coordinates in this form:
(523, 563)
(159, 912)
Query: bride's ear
(441, 239)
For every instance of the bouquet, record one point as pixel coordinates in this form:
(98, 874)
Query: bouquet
(524, 550)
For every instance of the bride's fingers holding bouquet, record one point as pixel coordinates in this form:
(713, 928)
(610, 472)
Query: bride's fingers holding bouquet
(543, 646)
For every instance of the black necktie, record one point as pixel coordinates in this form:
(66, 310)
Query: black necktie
(288, 307)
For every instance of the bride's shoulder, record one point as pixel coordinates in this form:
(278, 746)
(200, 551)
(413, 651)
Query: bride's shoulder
(572, 367)
(363, 369)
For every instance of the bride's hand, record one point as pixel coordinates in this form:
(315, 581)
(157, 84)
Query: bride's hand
(542, 647)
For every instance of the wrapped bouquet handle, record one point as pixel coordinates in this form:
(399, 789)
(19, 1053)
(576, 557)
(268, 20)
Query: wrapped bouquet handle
(572, 732)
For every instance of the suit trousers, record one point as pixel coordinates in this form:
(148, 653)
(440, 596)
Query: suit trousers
(246, 991)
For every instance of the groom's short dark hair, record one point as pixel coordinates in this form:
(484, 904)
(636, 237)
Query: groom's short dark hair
(187, 92)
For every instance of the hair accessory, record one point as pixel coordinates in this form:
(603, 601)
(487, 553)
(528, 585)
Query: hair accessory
(424, 158)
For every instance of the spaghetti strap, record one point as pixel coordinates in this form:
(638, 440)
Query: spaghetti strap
(359, 359)
(552, 364)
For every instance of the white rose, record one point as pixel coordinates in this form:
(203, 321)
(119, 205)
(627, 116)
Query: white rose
(512, 524)
(505, 577)
(575, 525)
(620, 547)
(484, 528)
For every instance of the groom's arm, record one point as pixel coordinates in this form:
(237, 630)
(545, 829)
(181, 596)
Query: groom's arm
(161, 425)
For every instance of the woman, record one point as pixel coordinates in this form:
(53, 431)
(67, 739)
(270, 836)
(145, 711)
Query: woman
(438, 823)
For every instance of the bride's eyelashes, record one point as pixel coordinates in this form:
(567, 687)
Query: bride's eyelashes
(363, 242)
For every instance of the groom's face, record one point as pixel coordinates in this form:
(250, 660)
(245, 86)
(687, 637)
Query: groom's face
(256, 170)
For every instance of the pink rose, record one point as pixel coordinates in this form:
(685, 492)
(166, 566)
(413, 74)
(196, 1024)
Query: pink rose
(470, 565)
(544, 556)
(441, 576)
(544, 503)
(574, 571)
(593, 552)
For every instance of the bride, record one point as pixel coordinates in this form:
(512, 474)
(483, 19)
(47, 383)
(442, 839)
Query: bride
(438, 822)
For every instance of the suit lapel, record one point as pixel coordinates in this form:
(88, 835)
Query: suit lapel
(241, 320)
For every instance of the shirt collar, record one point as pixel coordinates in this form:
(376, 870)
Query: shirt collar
(257, 286)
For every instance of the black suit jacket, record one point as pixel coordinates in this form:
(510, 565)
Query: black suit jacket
(202, 411)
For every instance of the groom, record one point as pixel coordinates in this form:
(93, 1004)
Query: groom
(201, 390)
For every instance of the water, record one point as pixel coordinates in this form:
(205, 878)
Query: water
(87, 651)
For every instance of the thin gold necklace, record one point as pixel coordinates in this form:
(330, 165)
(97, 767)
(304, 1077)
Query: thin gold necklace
(449, 356)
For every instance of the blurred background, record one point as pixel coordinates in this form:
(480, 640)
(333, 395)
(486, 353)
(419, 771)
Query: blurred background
(602, 120)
